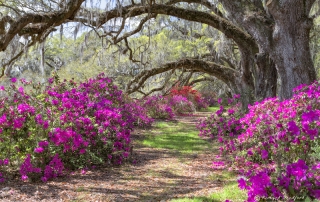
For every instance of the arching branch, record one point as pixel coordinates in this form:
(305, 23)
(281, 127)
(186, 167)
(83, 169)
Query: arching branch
(136, 30)
(27, 23)
(200, 80)
(152, 91)
(34, 39)
(230, 64)
(184, 31)
(205, 3)
(223, 73)
(187, 79)
(168, 77)
(230, 30)
(174, 83)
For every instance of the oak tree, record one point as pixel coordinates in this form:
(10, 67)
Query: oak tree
(272, 37)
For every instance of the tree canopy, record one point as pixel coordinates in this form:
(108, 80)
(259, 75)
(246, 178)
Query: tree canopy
(263, 40)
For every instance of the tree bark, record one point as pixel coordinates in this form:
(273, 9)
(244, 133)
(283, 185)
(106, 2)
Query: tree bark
(36, 23)
(265, 77)
(244, 82)
(269, 35)
(252, 16)
(281, 30)
(290, 48)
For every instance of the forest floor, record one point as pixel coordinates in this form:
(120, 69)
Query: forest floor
(169, 163)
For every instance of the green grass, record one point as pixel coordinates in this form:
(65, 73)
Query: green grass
(176, 136)
(229, 191)
(210, 109)
(183, 138)
(223, 175)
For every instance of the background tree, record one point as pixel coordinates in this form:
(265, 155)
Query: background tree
(271, 38)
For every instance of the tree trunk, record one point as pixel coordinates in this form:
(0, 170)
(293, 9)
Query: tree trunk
(265, 75)
(245, 82)
(252, 16)
(290, 48)
(245, 90)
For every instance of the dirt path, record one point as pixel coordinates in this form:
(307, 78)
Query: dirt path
(156, 175)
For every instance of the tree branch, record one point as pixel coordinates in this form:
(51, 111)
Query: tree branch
(39, 38)
(223, 73)
(253, 17)
(184, 31)
(200, 80)
(230, 30)
(136, 30)
(21, 25)
(205, 3)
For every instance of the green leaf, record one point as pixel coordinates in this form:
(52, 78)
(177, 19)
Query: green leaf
(308, 199)
(291, 190)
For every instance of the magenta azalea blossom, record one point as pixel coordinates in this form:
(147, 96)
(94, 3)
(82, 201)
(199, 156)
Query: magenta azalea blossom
(55, 102)
(91, 117)
(24, 177)
(44, 179)
(242, 183)
(82, 151)
(50, 80)
(310, 116)
(264, 154)
(316, 193)
(6, 162)
(293, 128)
(13, 80)
(21, 90)
(316, 166)
(38, 150)
(43, 143)
(18, 123)
(230, 111)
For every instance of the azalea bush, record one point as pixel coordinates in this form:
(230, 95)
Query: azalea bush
(223, 125)
(158, 107)
(138, 114)
(210, 98)
(181, 105)
(181, 101)
(280, 137)
(276, 149)
(64, 126)
(166, 107)
(191, 94)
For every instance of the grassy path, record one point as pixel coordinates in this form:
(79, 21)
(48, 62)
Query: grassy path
(171, 163)
(176, 165)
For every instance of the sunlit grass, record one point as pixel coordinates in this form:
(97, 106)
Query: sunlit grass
(176, 136)
(183, 138)
(223, 175)
(210, 109)
(230, 191)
